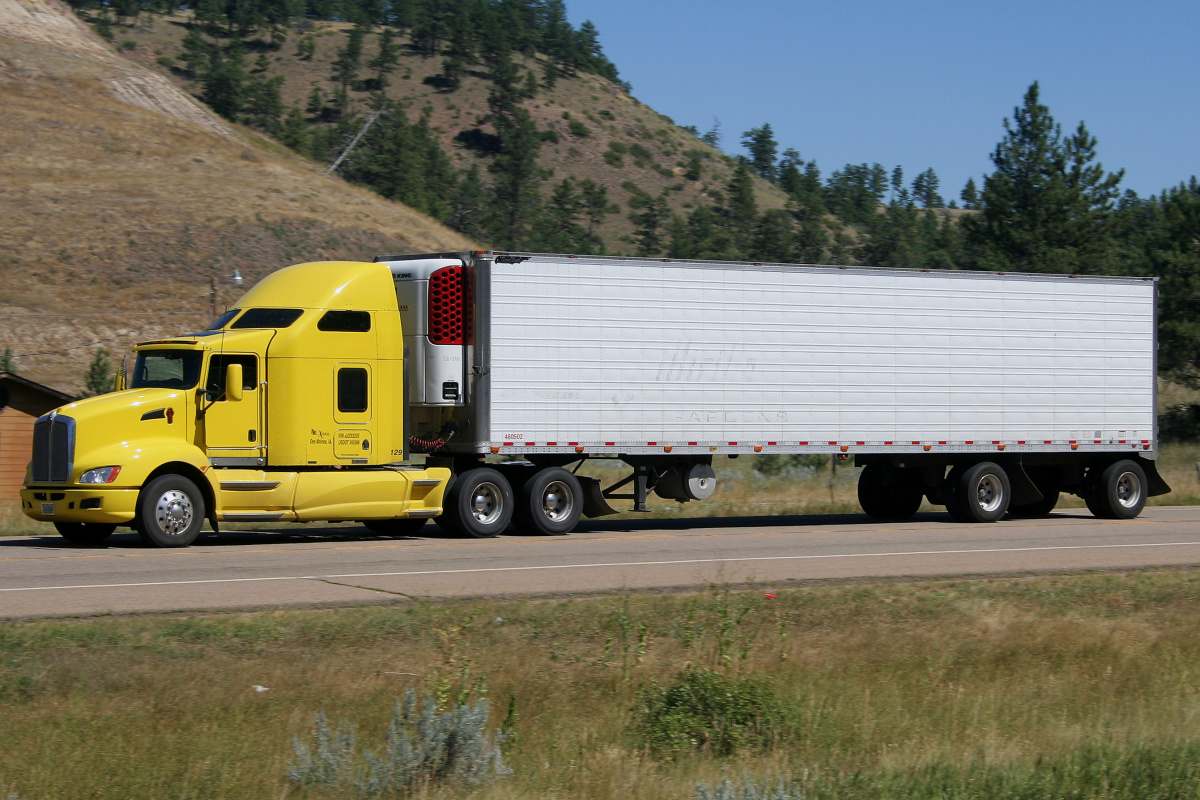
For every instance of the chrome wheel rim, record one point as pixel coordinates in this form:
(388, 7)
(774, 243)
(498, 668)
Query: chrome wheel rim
(174, 512)
(557, 501)
(1128, 490)
(989, 493)
(486, 503)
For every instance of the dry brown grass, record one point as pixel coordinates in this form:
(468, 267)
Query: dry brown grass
(117, 216)
(998, 672)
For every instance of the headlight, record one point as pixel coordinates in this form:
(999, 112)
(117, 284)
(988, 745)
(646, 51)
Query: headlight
(100, 475)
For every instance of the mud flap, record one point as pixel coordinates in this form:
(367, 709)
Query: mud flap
(1157, 484)
(594, 503)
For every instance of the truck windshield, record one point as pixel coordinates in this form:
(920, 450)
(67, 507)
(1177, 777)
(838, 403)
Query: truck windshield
(166, 369)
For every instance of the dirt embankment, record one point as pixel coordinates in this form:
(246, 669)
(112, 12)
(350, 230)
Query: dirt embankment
(123, 197)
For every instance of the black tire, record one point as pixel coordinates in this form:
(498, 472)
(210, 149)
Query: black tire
(87, 533)
(549, 503)
(478, 504)
(979, 493)
(889, 494)
(403, 526)
(170, 512)
(1119, 492)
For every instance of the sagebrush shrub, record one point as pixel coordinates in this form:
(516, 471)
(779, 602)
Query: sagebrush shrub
(422, 747)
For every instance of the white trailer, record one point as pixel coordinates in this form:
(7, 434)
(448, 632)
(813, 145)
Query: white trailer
(987, 392)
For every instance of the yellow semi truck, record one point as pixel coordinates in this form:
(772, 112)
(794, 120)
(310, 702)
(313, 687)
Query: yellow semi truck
(201, 434)
(988, 393)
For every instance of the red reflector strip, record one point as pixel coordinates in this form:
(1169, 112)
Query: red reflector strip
(1047, 442)
(508, 444)
(610, 444)
(970, 441)
(531, 444)
(733, 444)
(771, 443)
(804, 443)
(1020, 441)
(887, 442)
(651, 444)
(1096, 441)
(995, 442)
(941, 442)
(860, 442)
(1072, 442)
(916, 442)
(693, 444)
(551, 444)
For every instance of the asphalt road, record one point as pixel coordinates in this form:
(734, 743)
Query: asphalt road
(46, 576)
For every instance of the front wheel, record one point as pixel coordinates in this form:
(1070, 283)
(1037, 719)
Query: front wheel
(549, 502)
(479, 503)
(170, 512)
(979, 493)
(88, 533)
(1119, 492)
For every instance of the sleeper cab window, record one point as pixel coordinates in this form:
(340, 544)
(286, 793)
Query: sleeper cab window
(352, 390)
(345, 321)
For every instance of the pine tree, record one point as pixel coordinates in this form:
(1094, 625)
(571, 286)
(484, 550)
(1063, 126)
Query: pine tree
(225, 83)
(385, 61)
(515, 198)
(925, 190)
(970, 195)
(1047, 207)
(99, 377)
(346, 66)
(762, 146)
(1173, 254)
(649, 216)
(295, 131)
(306, 48)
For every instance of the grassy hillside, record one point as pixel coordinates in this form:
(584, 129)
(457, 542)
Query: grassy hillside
(121, 199)
(589, 115)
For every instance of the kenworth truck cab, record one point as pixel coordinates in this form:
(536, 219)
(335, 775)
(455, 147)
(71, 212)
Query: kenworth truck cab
(289, 408)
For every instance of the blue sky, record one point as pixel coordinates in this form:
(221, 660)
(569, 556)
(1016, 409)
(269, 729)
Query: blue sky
(919, 84)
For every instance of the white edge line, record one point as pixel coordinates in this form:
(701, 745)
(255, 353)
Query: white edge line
(585, 566)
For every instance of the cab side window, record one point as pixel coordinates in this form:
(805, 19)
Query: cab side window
(345, 321)
(215, 385)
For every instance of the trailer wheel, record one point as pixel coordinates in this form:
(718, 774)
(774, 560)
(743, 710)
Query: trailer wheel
(889, 494)
(88, 533)
(979, 493)
(479, 503)
(170, 512)
(1119, 492)
(550, 502)
(403, 526)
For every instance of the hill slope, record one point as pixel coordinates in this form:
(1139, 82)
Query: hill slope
(122, 198)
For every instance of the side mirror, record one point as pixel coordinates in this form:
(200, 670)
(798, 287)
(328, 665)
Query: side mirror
(233, 382)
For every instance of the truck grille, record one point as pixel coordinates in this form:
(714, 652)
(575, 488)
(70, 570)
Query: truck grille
(53, 449)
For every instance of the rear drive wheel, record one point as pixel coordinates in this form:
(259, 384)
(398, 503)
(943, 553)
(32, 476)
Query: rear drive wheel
(1119, 492)
(981, 493)
(550, 502)
(479, 503)
(89, 533)
(889, 494)
(404, 526)
(170, 512)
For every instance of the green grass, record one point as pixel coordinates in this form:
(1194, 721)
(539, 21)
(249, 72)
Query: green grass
(1021, 687)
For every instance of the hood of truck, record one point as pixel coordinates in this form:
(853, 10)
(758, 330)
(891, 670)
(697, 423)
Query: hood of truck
(114, 429)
